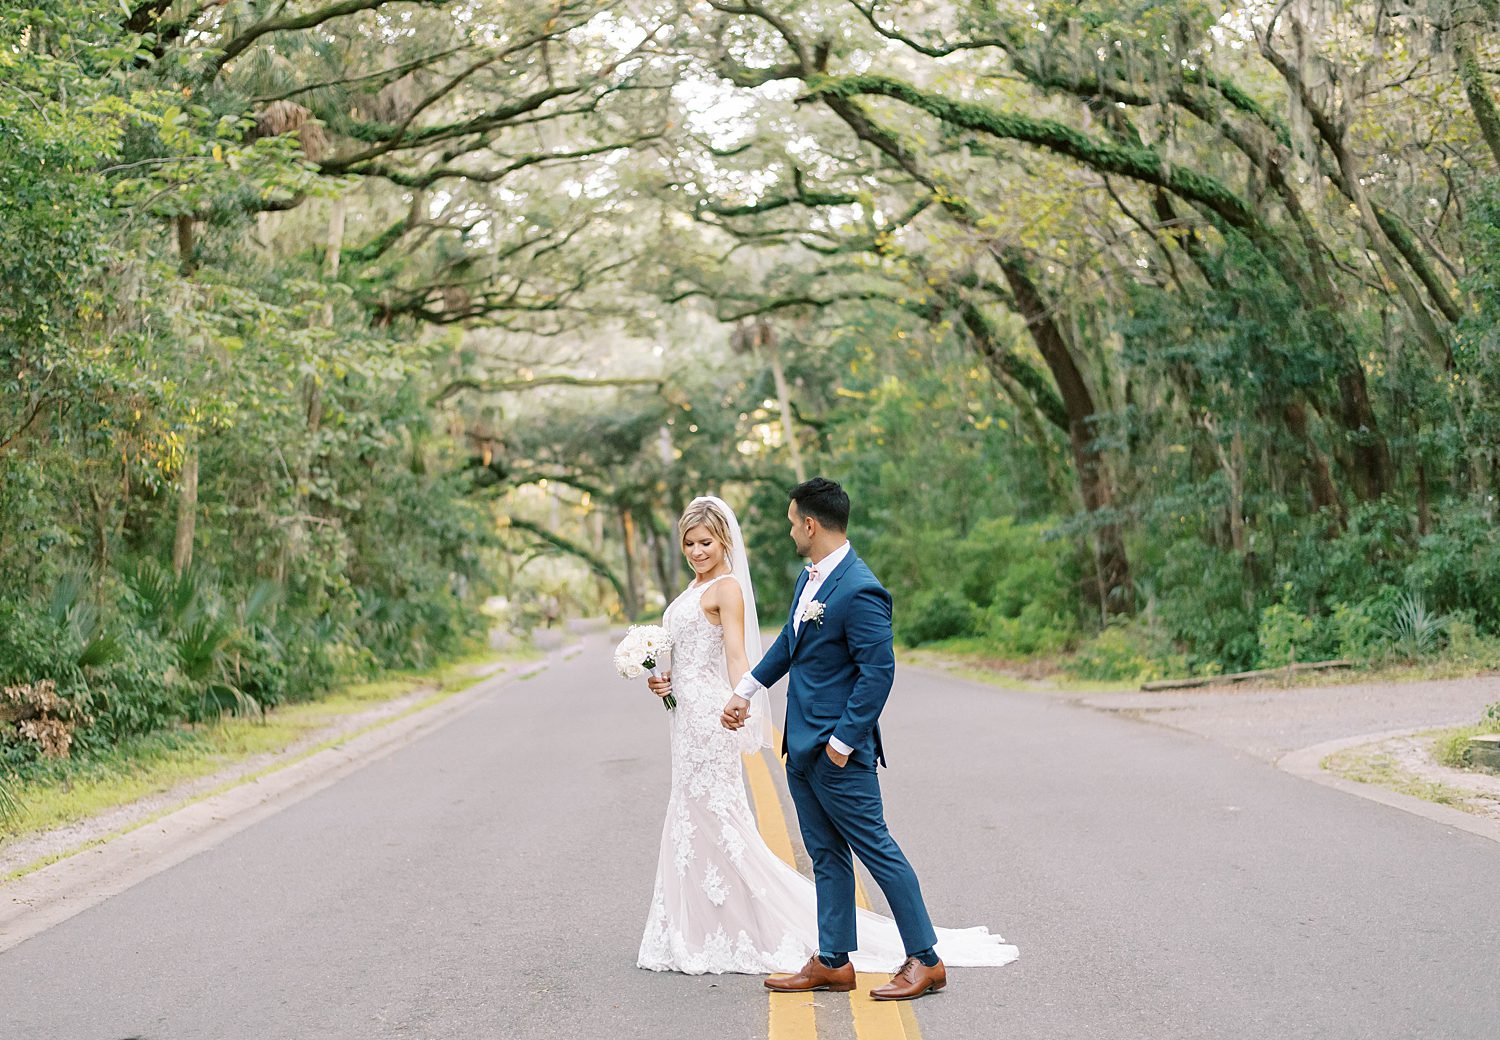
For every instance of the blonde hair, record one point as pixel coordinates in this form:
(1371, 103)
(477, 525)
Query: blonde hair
(706, 514)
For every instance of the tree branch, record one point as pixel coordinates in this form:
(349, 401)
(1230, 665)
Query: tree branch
(512, 385)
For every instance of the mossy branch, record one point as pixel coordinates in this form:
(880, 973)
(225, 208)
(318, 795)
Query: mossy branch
(457, 386)
(1103, 156)
(571, 548)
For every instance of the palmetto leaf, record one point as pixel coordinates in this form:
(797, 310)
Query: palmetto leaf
(1416, 631)
(200, 647)
(165, 598)
(98, 644)
(261, 599)
(9, 805)
(216, 698)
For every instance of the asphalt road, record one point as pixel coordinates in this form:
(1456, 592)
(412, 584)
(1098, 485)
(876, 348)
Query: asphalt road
(490, 880)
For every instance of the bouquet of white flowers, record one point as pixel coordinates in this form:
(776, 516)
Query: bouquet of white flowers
(641, 651)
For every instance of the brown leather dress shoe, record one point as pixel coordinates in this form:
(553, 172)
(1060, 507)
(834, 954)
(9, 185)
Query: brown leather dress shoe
(912, 980)
(814, 975)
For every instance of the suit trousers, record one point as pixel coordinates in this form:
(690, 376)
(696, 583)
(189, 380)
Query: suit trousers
(840, 811)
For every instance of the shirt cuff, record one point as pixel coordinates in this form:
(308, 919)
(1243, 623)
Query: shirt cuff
(839, 746)
(749, 686)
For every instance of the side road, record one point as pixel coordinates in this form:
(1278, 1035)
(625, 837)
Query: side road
(1269, 721)
(1298, 727)
(113, 855)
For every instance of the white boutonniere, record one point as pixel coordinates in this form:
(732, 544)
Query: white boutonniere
(813, 613)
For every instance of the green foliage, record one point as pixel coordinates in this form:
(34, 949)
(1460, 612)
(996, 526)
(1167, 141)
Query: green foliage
(1126, 651)
(935, 614)
(1007, 583)
(1457, 566)
(1356, 631)
(150, 315)
(1287, 636)
(1201, 605)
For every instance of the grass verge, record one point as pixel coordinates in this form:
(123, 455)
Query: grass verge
(979, 666)
(968, 659)
(1381, 769)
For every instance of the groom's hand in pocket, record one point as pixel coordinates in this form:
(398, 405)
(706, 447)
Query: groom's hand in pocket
(735, 713)
(837, 758)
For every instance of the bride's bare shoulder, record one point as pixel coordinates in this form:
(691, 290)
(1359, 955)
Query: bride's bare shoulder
(725, 590)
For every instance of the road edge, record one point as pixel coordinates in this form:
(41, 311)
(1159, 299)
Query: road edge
(44, 898)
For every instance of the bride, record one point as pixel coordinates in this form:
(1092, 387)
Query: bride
(723, 901)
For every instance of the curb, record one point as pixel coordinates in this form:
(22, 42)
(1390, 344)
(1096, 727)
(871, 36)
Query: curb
(44, 898)
(1306, 763)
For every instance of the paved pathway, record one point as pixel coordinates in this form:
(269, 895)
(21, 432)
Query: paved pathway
(490, 880)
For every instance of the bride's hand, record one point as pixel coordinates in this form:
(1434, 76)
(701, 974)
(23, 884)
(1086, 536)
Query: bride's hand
(736, 713)
(661, 687)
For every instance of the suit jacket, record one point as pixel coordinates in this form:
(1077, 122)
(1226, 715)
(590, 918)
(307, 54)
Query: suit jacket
(841, 666)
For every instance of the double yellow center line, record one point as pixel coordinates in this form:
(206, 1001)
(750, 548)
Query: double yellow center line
(793, 1016)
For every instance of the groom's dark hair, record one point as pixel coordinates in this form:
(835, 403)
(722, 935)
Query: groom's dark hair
(823, 500)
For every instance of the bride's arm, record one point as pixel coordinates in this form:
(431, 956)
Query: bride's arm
(732, 618)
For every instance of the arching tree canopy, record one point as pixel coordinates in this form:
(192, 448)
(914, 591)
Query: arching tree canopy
(1104, 310)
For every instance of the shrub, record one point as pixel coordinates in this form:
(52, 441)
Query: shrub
(132, 688)
(1466, 646)
(1355, 631)
(1003, 581)
(936, 614)
(1036, 629)
(1286, 635)
(1126, 651)
(1458, 566)
(1005, 566)
(1202, 606)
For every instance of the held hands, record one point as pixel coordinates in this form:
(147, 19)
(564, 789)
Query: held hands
(736, 713)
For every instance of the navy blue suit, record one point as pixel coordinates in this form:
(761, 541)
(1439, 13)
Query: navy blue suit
(841, 669)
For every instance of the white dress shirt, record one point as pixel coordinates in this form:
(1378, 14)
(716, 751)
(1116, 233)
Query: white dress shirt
(817, 573)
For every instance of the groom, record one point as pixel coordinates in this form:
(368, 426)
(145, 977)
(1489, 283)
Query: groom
(837, 646)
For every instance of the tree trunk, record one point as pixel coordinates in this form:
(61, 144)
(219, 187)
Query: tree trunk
(1374, 472)
(185, 245)
(1111, 563)
(312, 389)
(101, 530)
(332, 255)
(335, 251)
(1319, 475)
(784, 399)
(1471, 74)
(632, 604)
(187, 511)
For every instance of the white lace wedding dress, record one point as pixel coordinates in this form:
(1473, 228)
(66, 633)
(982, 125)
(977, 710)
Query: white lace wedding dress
(723, 901)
